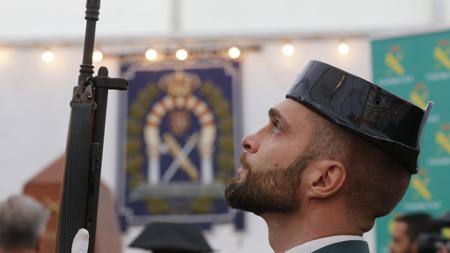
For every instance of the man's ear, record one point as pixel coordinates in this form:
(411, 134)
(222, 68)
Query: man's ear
(324, 178)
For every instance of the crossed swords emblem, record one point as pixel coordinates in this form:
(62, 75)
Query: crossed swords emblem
(181, 157)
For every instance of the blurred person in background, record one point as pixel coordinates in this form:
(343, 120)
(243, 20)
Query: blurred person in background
(22, 224)
(406, 232)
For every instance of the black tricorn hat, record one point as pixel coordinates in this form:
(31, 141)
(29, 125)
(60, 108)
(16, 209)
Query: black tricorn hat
(165, 237)
(390, 122)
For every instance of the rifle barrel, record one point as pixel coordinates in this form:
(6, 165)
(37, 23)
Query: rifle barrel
(92, 13)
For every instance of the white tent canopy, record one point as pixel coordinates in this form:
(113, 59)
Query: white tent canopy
(52, 19)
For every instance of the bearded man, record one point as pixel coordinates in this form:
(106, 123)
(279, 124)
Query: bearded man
(334, 156)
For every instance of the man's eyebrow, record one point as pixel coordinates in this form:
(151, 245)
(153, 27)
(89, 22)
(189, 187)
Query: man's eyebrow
(274, 113)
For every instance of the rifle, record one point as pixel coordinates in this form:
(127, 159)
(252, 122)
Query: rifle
(79, 198)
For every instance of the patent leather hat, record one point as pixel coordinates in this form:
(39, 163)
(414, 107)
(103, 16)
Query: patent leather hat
(390, 122)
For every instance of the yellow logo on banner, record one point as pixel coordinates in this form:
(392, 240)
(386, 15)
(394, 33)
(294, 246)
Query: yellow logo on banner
(393, 60)
(391, 226)
(391, 223)
(420, 184)
(419, 95)
(442, 138)
(442, 54)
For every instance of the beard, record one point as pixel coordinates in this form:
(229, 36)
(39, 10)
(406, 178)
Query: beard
(267, 191)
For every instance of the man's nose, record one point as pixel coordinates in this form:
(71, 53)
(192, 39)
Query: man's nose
(250, 144)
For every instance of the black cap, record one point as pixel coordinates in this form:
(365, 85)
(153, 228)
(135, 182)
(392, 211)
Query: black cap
(164, 237)
(388, 121)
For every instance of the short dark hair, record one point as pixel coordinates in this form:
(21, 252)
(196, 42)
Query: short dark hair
(417, 223)
(376, 181)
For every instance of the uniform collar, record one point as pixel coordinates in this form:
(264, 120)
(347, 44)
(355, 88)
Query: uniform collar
(314, 245)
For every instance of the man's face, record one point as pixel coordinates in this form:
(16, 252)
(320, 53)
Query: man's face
(400, 241)
(270, 174)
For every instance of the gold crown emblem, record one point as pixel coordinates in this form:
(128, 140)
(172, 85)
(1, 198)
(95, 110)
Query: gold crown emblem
(179, 83)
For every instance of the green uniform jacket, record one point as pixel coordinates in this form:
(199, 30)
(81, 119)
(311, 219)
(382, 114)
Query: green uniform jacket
(345, 247)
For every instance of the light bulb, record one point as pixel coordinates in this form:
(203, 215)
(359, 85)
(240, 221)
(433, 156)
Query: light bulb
(181, 54)
(343, 48)
(4, 56)
(97, 56)
(288, 49)
(234, 52)
(151, 54)
(48, 56)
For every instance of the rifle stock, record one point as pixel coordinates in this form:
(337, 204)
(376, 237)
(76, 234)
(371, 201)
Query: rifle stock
(79, 198)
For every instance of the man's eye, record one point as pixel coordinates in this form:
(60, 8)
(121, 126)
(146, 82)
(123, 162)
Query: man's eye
(275, 126)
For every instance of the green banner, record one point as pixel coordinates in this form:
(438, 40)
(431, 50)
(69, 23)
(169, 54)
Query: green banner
(417, 68)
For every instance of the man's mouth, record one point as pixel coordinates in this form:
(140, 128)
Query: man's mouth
(241, 173)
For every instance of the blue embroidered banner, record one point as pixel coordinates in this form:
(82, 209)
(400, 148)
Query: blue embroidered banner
(181, 141)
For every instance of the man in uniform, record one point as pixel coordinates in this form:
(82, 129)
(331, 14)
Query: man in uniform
(335, 155)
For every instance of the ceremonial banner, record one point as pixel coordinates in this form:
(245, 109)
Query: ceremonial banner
(182, 135)
(417, 68)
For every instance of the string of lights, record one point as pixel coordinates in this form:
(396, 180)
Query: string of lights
(173, 52)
